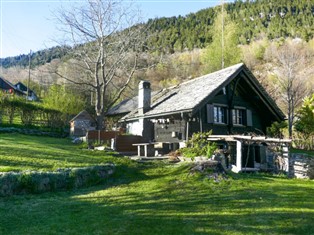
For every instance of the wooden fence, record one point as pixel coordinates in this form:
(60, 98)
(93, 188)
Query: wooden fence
(122, 143)
(101, 136)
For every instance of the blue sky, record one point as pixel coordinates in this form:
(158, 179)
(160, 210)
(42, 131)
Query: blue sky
(27, 24)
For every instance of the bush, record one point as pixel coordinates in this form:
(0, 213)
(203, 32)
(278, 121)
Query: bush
(198, 145)
(276, 129)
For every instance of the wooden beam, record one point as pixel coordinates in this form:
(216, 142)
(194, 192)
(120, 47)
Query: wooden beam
(239, 156)
(249, 138)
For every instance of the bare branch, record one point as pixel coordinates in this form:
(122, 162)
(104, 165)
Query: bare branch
(106, 37)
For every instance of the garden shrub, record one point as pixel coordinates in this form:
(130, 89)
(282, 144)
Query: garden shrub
(276, 129)
(198, 145)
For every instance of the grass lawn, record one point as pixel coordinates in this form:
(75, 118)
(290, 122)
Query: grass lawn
(162, 198)
(22, 152)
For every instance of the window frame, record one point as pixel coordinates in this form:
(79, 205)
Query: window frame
(239, 113)
(220, 114)
(238, 117)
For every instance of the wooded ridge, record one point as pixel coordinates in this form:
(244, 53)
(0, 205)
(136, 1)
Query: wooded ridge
(255, 19)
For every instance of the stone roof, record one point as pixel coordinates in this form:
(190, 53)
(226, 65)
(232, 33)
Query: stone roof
(193, 94)
(124, 107)
(128, 105)
(83, 115)
(186, 96)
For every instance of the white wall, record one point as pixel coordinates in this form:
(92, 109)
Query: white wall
(135, 128)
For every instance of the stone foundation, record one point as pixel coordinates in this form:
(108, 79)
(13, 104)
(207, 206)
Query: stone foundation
(301, 166)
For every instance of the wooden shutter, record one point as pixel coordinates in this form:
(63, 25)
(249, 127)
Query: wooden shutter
(210, 113)
(232, 116)
(249, 121)
(227, 115)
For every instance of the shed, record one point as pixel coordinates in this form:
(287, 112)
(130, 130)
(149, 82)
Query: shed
(81, 123)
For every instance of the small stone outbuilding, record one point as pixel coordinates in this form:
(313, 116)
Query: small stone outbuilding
(81, 124)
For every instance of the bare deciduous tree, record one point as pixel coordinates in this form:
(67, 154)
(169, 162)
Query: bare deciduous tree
(292, 62)
(107, 39)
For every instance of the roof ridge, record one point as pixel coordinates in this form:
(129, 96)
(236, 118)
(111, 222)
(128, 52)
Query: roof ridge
(218, 71)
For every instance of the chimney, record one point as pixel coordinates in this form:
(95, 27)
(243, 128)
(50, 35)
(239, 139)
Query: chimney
(144, 96)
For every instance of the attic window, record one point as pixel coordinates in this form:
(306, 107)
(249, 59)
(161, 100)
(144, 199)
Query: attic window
(238, 116)
(220, 114)
(217, 114)
(242, 116)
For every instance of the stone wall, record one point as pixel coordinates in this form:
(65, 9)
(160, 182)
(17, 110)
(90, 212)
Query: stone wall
(36, 132)
(301, 166)
(12, 183)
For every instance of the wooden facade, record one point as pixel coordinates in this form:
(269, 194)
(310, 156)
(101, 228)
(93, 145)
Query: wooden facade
(227, 102)
(8, 87)
(235, 96)
(81, 124)
(251, 153)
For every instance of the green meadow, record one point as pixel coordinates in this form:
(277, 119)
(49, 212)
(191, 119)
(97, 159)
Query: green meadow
(149, 198)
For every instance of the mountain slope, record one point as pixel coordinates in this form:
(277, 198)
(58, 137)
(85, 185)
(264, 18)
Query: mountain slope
(255, 19)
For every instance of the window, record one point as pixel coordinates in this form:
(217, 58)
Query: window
(238, 116)
(220, 114)
(217, 114)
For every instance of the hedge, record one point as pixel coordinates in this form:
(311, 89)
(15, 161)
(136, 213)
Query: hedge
(30, 113)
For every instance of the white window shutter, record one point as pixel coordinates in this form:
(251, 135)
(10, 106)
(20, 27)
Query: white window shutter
(210, 113)
(249, 121)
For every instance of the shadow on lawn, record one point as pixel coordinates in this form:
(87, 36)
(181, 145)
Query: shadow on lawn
(137, 203)
(188, 207)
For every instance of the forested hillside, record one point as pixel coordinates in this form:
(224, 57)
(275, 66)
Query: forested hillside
(254, 19)
(37, 58)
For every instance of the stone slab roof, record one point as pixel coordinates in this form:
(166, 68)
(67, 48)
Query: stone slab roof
(124, 107)
(128, 105)
(188, 95)
(83, 115)
(193, 94)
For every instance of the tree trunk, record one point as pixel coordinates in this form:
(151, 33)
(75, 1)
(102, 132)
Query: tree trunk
(100, 119)
(99, 109)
